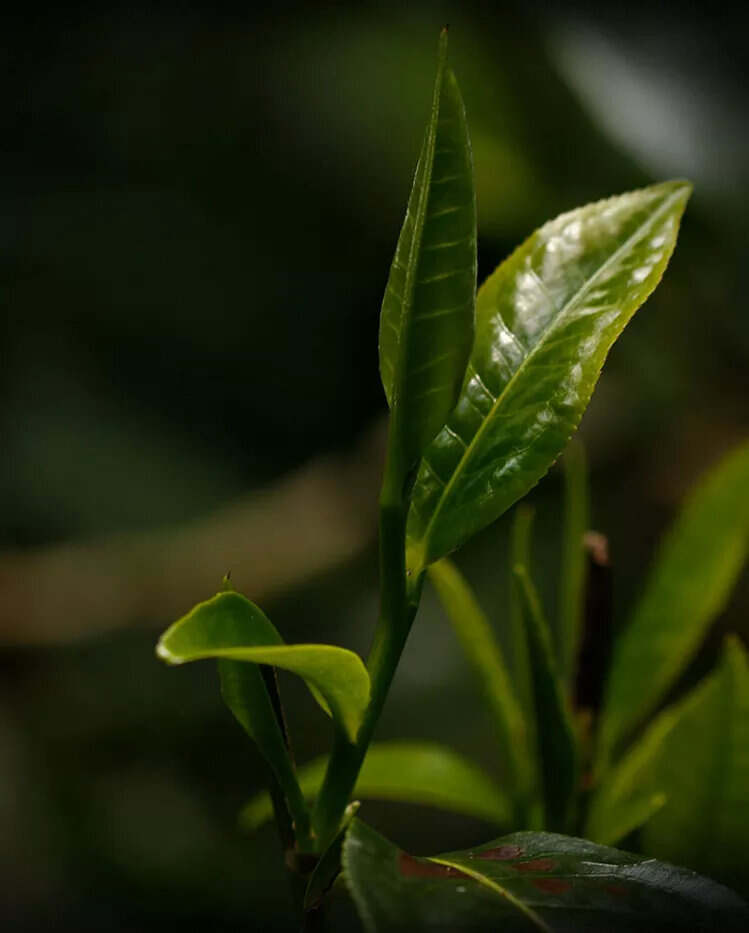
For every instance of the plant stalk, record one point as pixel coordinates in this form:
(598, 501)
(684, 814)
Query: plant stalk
(393, 626)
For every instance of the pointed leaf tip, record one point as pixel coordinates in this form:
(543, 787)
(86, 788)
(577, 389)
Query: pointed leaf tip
(426, 323)
(545, 322)
(230, 627)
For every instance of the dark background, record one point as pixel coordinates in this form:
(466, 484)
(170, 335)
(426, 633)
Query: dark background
(201, 204)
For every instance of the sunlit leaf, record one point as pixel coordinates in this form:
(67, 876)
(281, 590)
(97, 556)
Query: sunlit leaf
(484, 653)
(426, 325)
(409, 772)
(699, 561)
(230, 627)
(555, 735)
(530, 881)
(545, 321)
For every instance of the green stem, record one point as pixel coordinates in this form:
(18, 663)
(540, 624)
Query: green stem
(394, 624)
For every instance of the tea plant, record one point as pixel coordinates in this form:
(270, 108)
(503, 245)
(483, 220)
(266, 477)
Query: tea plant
(484, 392)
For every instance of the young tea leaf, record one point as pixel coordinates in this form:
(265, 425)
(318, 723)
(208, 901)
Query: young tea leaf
(698, 563)
(484, 654)
(243, 686)
(230, 627)
(426, 324)
(545, 321)
(519, 657)
(530, 881)
(557, 744)
(407, 772)
(572, 588)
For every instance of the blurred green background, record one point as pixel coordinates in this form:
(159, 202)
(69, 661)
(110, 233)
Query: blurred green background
(201, 204)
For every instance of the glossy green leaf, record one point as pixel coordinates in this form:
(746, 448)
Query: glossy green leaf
(530, 881)
(484, 653)
(243, 686)
(572, 584)
(408, 772)
(703, 768)
(230, 627)
(545, 321)
(557, 746)
(426, 325)
(699, 561)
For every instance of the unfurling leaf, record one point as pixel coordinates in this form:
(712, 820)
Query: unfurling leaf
(426, 324)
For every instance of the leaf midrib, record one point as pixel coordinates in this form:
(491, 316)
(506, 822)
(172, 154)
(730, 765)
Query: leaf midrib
(416, 238)
(555, 324)
(497, 888)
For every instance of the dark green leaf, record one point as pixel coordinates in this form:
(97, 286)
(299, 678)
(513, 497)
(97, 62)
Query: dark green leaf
(484, 654)
(572, 588)
(545, 321)
(410, 772)
(699, 561)
(556, 739)
(232, 628)
(530, 881)
(426, 325)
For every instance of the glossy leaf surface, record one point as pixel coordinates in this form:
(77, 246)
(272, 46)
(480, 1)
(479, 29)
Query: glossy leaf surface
(407, 772)
(545, 321)
(426, 324)
(484, 653)
(555, 734)
(698, 563)
(230, 627)
(526, 882)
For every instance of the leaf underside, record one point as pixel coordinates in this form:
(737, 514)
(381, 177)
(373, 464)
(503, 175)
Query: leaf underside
(545, 321)
(408, 772)
(526, 882)
(231, 628)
